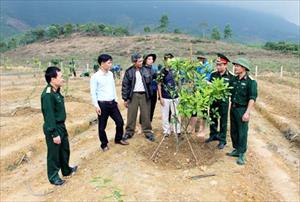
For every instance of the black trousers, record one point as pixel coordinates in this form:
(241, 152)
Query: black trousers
(223, 112)
(109, 109)
(58, 155)
(153, 104)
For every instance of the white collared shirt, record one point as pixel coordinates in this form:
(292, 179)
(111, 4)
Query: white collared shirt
(102, 87)
(139, 86)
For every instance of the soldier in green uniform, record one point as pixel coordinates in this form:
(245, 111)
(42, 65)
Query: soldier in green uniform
(53, 109)
(243, 97)
(221, 106)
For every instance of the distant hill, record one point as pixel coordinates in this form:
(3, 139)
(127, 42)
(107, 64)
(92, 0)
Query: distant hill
(248, 26)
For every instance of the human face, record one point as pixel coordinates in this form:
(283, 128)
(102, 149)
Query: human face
(238, 69)
(221, 67)
(138, 63)
(58, 81)
(149, 61)
(106, 65)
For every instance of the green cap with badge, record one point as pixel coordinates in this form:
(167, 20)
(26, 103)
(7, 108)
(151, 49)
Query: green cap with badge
(243, 62)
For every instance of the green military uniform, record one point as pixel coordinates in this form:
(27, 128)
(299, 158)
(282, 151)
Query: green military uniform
(244, 90)
(222, 109)
(53, 109)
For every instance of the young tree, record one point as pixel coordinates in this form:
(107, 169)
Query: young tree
(215, 34)
(227, 32)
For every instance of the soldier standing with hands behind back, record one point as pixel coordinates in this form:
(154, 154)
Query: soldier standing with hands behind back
(53, 109)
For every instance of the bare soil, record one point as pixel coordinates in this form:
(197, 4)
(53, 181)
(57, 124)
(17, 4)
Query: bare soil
(127, 173)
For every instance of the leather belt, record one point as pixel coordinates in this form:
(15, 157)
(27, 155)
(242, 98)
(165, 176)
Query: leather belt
(107, 102)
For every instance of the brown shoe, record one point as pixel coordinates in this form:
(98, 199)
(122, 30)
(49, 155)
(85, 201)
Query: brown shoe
(123, 142)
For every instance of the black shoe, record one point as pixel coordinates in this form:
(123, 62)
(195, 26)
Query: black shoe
(221, 145)
(234, 153)
(211, 138)
(150, 137)
(58, 182)
(73, 171)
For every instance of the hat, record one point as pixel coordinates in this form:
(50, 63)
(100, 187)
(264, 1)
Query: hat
(149, 55)
(222, 59)
(243, 62)
(201, 57)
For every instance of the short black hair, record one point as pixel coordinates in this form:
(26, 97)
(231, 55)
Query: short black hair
(104, 58)
(51, 72)
(168, 56)
(135, 57)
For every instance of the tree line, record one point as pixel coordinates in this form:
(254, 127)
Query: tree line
(94, 29)
(56, 31)
(283, 47)
(215, 33)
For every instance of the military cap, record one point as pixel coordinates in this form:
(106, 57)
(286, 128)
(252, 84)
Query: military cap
(222, 59)
(243, 62)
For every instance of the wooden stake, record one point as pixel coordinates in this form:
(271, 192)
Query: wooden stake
(191, 51)
(157, 148)
(281, 71)
(256, 70)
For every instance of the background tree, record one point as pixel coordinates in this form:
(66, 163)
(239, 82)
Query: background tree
(68, 29)
(215, 34)
(203, 27)
(147, 29)
(177, 31)
(227, 32)
(52, 32)
(164, 23)
(12, 43)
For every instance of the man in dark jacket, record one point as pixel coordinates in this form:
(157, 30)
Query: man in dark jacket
(136, 93)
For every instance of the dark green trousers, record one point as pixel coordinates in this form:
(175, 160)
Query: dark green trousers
(58, 155)
(238, 129)
(223, 112)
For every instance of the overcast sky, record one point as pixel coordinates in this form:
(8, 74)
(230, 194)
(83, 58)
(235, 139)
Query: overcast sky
(288, 9)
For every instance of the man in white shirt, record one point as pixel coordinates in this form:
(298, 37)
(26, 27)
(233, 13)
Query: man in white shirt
(136, 93)
(103, 92)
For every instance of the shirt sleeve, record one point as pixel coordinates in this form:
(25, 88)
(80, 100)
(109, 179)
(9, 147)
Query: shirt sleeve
(93, 88)
(48, 110)
(253, 90)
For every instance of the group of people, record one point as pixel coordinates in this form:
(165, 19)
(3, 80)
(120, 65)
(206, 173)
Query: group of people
(141, 89)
